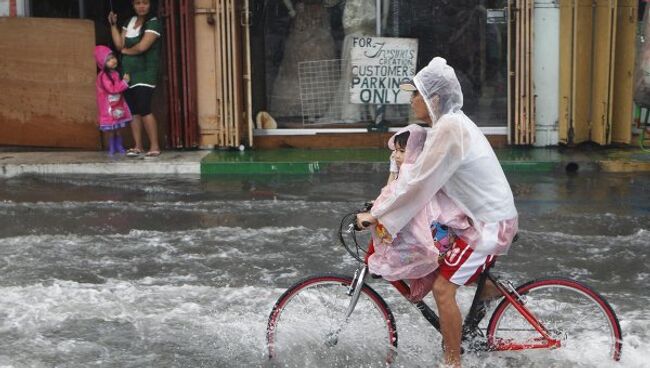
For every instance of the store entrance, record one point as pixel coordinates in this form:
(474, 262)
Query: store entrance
(174, 99)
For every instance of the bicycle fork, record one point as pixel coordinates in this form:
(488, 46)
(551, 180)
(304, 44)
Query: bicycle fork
(354, 291)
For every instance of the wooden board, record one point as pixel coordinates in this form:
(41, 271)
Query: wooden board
(624, 71)
(602, 71)
(48, 76)
(581, 83)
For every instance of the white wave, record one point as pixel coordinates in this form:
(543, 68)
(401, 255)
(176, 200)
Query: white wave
(641, 235)
(218, 206)
(224, 324)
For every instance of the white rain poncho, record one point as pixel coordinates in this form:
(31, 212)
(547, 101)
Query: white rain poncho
(458, 159)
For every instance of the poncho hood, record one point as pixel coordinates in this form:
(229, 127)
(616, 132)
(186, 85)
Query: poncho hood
(439, 79)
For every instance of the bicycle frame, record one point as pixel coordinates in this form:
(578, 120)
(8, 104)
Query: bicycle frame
(470, 325)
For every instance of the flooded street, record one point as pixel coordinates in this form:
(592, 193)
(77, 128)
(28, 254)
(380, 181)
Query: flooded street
(183, 271)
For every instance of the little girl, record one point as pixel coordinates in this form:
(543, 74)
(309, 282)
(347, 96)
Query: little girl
(414, 252)
(113, 112)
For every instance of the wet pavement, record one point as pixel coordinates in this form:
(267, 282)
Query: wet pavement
(182, 271)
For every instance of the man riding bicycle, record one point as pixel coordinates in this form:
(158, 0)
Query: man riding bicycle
(458, 160)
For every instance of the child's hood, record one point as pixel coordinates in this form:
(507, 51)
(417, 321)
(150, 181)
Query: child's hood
(101, 54)
(414, 144)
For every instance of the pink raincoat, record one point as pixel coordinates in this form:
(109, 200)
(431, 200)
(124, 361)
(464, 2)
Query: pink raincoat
(411, 254)
(112, 110)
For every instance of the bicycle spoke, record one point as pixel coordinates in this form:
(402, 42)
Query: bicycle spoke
(311, 329)
(570, 313)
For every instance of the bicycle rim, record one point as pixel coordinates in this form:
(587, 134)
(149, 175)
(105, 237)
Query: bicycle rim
(302, 328)
(572, 312)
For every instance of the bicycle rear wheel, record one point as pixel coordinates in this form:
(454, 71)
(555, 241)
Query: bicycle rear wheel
(572, 312)
(307, 326)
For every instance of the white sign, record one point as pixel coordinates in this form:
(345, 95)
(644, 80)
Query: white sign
(378, 66)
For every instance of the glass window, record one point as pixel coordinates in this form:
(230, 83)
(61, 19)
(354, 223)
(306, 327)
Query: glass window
(306, 68)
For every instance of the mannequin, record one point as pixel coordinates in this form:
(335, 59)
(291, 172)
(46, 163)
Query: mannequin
(309, 39)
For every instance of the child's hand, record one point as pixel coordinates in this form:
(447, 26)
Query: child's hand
(126, 78)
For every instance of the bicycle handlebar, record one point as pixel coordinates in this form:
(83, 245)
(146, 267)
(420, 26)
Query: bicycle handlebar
(348, 228)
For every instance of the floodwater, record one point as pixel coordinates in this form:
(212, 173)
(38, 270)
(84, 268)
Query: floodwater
(183, 271)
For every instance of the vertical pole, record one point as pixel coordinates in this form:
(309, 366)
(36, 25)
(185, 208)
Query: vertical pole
(82, 9)
(379, 117)
(378, 17)
(248, 72)
(509, 68)
(191, 131)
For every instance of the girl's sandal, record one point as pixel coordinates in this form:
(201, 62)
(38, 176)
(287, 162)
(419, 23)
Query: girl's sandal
(133, 152)
(152, 154)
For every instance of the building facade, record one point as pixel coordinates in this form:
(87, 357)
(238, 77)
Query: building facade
(298, 73)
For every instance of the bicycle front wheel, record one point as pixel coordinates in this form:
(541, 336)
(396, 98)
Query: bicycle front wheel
(572, 312)
(307, 326)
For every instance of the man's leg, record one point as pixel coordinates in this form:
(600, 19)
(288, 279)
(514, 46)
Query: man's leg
(444, 292)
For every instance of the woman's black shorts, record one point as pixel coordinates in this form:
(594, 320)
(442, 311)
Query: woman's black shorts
(139, 100)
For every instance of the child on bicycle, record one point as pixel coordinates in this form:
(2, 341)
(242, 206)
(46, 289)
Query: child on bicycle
(416, 250)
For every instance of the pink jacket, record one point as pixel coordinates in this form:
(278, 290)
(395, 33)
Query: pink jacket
(112, 110)
(411, 254)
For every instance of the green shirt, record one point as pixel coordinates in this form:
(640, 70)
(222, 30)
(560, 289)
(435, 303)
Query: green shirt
(142, 68)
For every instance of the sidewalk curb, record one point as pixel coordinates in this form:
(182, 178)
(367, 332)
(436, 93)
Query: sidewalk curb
(136, 168)
(290, 162)
(317, 167)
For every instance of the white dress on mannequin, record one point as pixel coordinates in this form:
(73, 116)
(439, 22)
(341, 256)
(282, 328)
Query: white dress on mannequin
(309, 39)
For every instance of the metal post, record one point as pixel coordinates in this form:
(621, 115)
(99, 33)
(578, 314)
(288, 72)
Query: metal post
(379, 117)
(82, 9)
(378, 17)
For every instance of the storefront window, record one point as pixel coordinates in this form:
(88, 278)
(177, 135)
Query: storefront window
(307, 47)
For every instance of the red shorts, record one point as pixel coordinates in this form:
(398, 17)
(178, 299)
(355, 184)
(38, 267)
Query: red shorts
(461, 265)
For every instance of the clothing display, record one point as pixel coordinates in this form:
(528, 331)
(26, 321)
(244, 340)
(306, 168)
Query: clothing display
(359, 19)
(309, 39)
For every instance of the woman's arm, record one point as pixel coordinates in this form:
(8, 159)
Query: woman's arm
(145, 43)
(116, 34)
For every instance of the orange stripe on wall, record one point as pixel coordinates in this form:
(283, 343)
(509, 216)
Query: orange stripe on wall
(12, 8)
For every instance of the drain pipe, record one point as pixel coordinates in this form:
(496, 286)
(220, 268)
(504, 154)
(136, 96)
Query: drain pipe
(546, 72)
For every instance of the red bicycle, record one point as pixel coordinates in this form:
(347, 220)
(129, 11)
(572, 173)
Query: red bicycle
(338, 320)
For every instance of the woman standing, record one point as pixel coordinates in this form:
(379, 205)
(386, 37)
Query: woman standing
(139, 42)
